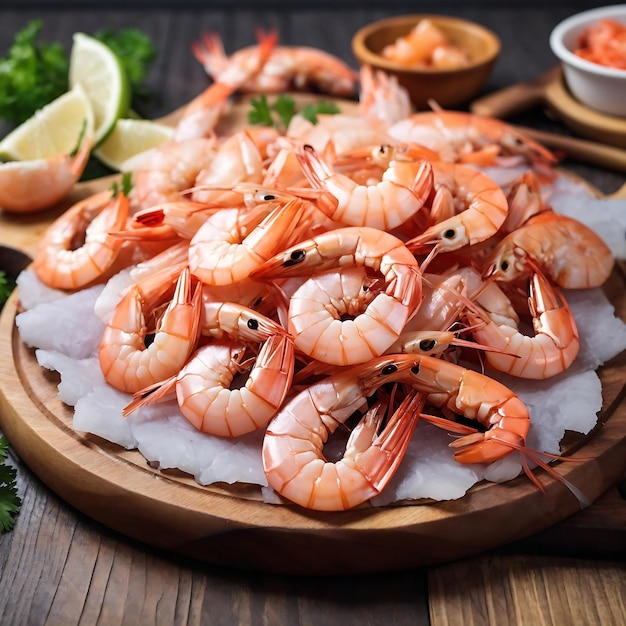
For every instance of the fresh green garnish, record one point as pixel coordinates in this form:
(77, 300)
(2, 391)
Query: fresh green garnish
(32, 75)
(35, 73)
(10, 502)
(280, 113)
(7, 285)
(125, 185)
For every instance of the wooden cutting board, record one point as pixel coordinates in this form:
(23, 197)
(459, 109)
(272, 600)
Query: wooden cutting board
(230, 525)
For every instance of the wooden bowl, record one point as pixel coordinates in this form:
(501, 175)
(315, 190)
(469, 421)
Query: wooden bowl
(448, 87)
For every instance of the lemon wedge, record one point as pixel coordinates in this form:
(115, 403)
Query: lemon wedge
(55, 129)
(129, 139)
(99, 71)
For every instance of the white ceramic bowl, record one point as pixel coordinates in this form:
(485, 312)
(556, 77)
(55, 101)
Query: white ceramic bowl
(596, 86)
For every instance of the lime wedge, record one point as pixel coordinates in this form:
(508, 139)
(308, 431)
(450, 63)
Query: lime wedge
(99, 71)
(130, 138)
(55, 129)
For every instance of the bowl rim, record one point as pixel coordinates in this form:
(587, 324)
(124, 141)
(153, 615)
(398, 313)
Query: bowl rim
(367, 56)
(579, 21)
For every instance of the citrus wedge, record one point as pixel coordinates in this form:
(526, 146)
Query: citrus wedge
(99, 71)
(55, 129)
(129, 139)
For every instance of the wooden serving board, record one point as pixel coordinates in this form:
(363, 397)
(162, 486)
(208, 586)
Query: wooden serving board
(230, 525)
(551, 90)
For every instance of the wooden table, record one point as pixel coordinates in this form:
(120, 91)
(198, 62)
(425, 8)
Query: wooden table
(59, 567)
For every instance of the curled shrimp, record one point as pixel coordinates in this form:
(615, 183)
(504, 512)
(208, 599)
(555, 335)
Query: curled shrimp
(126, 362)
(469, 138)
(237, 160)
(171, 169)
(293, 457)
(400, 193)
(29, 186)
(233, 242)
(477, 203)
(568, 252)
(381, 98)
(387, 313)
(203, 387)
(550, 351)
(200, 116)
(287, 68)
(78, 247)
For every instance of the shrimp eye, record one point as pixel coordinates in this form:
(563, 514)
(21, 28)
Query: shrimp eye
(504, 266)
(389, 369)
(449, 234)
(269, 196)
(253, 324)
(297, 256)
(426, 345)
(415, 369)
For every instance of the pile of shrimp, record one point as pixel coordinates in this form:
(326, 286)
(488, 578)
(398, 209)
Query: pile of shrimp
(604, 43)
(360, 274)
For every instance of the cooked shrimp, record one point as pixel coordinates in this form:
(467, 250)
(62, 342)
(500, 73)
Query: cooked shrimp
(77, 248)
(335, 318)
(126, 362)
(201, 115)
(382, 99)
(29, 186)
(233, 242)
(203, 386)
(468, 138)
(397, 197)
(171, 170)
(387, 313)
(479, 203)
(237, 160)
(293, 457)
(550, 351)
(287, 68)
(567, 251)
(525, 199)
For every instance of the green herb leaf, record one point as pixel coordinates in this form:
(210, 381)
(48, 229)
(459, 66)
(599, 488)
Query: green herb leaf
(10, 502)
(311, 111)
(285, 106)
(7, 285)
(32, 75)
(260, 114)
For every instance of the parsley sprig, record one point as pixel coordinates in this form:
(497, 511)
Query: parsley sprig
(10, 502)
(280, 112)
(7, 285)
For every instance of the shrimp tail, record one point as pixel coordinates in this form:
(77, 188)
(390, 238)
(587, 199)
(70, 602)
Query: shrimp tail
(163, 390)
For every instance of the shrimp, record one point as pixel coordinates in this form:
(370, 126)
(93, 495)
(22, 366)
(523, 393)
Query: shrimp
(568, 252)
(468, 138)
(200, 116)
(387, 313)
(398, 196)
(550, 351)
(237, 160)
(78, 248)
(287, 68)
(203, 387)
(332, 321)
(525, 200)
(126, 362)
(34, 185)
(382, 100)
(233, 242)
(171, 170)
(480, 205)
(292, 453)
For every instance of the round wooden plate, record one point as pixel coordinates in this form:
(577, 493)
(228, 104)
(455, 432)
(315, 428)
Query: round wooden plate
(230, 525)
